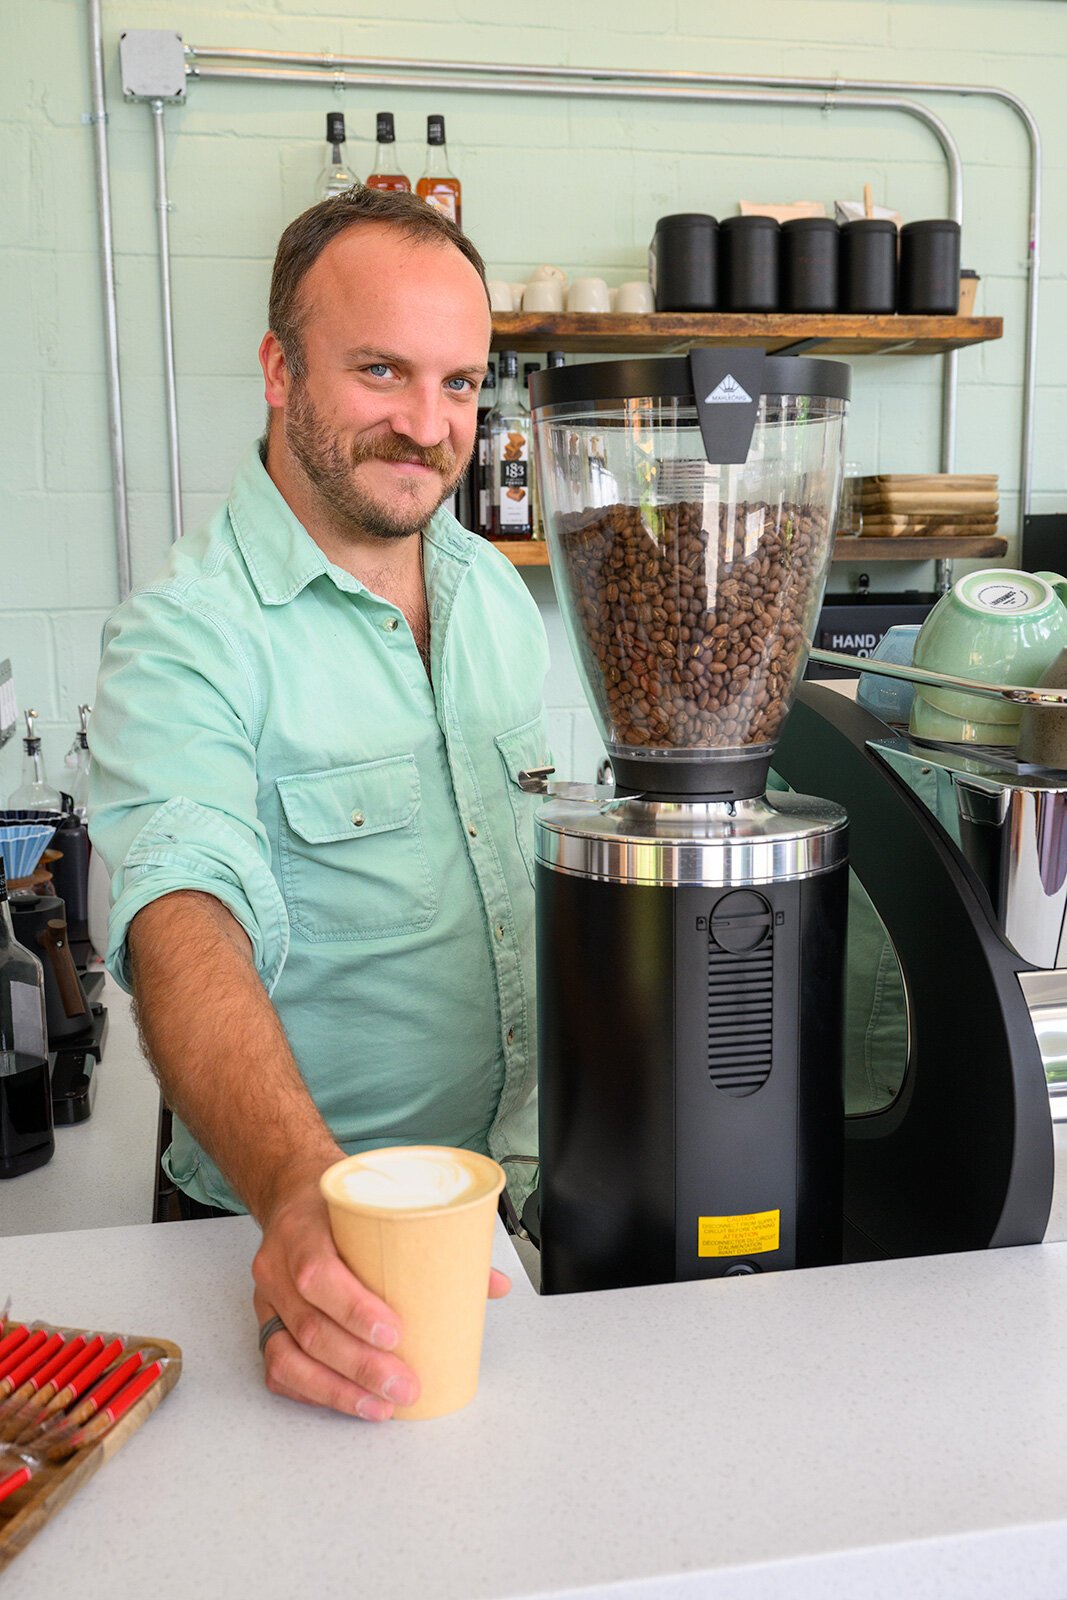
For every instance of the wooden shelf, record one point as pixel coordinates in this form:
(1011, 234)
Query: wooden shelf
(669, 332)
(965, 547)
(524, 552)
(534, 552)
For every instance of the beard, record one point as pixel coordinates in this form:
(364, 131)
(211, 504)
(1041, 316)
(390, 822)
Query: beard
(330, 467)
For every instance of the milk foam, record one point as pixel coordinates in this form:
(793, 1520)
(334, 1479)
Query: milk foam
(408, 1180)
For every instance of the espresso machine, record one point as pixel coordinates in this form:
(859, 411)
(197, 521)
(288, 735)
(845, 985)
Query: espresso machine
(690, 922)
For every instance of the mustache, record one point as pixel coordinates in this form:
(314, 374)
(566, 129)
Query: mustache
(394, 447)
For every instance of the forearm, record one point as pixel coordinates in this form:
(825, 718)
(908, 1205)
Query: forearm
(218, 1049)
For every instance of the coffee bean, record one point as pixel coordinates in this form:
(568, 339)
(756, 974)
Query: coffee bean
(677, 657)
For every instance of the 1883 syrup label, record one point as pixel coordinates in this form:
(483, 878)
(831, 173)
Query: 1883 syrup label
(514, 480)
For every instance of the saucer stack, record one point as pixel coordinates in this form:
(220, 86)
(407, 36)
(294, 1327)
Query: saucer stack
(898, 505)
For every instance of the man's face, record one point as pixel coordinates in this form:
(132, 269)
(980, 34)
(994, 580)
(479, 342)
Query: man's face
(395, 340)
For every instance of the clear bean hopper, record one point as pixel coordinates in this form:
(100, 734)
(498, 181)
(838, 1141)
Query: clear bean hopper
(689, 507)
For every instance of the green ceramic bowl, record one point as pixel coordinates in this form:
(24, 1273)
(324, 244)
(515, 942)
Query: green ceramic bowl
(997, 626)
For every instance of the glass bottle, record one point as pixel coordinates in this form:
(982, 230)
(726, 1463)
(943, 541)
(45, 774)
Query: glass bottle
(387, 174)
(508, 424)
(34, 793)
(26, 1137)
(479, 467)
(335, 177)
(439, 186)
(77, 760)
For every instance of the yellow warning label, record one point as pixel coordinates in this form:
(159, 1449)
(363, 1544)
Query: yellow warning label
(749, 1235)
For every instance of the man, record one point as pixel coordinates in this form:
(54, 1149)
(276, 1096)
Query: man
(305, 742)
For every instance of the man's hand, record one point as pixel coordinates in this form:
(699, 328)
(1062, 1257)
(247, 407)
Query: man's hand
(335, 1347)
(209, 1029)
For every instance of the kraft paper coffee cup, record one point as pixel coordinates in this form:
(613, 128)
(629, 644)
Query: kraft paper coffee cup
(415, 1225)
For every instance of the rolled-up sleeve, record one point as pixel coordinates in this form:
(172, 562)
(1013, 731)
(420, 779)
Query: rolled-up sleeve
(173, 783)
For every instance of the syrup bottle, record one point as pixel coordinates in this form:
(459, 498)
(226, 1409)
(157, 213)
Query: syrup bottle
(335, 177)
(438, 186)
(510, 482)
(387, 174)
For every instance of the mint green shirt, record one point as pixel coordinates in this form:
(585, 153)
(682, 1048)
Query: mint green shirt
(265, 731)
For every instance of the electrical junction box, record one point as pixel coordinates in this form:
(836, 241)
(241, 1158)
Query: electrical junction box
(152, 61)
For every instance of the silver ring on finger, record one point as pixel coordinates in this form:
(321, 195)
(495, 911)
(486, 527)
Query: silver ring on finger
(271, 1326)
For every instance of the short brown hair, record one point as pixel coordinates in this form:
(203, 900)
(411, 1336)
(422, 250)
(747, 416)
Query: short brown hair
(308, 235)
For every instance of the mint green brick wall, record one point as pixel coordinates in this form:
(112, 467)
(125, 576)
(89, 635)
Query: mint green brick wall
(570, 181)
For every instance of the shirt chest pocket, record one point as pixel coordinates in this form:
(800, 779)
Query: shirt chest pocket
(353, 862)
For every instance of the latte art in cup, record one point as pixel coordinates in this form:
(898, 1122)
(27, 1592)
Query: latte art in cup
(415, 1224)
(409, 1180)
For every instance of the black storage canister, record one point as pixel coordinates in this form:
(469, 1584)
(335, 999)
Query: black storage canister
(809, 264)
(929, 282)
(869, 266)
(683, 262)
(748, 263)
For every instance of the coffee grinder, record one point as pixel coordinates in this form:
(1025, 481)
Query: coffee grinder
(690, 924)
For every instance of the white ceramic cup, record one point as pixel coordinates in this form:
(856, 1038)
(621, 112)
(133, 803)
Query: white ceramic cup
(517, 292)
(544, 295)
(588, 294)
(549, 274)
(500, 298)
(635, 298)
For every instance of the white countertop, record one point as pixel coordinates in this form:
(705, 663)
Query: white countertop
(866, 1431)
(862, 1432)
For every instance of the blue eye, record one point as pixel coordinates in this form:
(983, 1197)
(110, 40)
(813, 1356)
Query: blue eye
(464, 384)
(379, 369)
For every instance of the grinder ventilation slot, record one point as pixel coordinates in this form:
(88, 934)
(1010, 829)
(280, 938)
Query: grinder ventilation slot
(740, 1014)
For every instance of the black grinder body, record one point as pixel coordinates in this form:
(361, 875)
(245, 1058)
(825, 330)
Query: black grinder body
(691, 1077)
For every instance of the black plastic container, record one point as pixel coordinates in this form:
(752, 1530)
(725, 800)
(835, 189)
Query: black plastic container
(684, 262)
(929, 282)
(749, 250)
(809, 264)
(868, 266)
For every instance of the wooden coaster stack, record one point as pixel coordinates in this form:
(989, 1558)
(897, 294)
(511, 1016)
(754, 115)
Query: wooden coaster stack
(938, 504)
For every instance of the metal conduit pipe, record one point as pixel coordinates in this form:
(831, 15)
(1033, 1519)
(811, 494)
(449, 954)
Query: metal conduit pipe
(163, 214)
(829, 85)
(111, 327)
(636, 91)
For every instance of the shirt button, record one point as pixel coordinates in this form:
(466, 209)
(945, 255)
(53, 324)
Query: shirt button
(391, 624)
(472, 830)
(358, 819)
(499, 930)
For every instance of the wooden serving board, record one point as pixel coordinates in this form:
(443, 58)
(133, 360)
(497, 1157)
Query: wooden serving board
(930, 480)
(934, 526)
(26, 1511)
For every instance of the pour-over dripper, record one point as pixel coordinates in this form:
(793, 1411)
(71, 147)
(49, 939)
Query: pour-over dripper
(690, 551)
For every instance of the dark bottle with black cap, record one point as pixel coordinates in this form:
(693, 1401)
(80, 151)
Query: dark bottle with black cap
(682, 262)
(26, 1137)
(478, 472)
(748, 263)
(335, 178)
(869, 266)
(387, 174)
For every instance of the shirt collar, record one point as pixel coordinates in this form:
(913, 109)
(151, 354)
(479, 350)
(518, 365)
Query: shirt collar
(282, 557)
